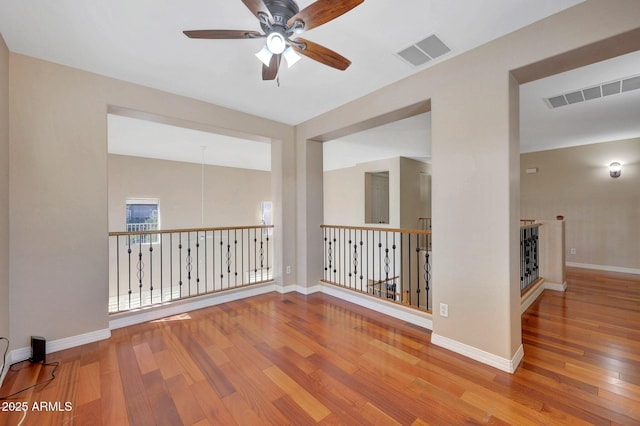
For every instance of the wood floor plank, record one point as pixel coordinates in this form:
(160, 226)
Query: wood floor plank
(308, 359)
(144, 356)
(299, 395)
(89, 383)
(211, 404)
(186, 403)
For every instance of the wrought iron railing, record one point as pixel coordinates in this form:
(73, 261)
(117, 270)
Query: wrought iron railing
(152, 267)
(392, 264)
(529, 255)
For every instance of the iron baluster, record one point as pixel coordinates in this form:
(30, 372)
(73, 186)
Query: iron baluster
(221, 267)
(150, 270)
(409, 259)
(129, 254)
(206, 278)
(180, 263)
(235, 257)
(160, 236)
(118, 272)
(379, 263)
(398, 290)
(361, 262)
(417, 270)
(268, 255)
(261, 256)
(140, 267)
(324, 258)
(329, 256)
(228, 261)
(197, 262)
(188, 261)
(427, 276)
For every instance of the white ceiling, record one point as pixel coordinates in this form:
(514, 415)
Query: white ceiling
(141, 138)
(142, 42)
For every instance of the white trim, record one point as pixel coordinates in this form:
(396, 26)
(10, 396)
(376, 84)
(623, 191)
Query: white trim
(531, 296)
(310, 290)
(22, 354)
(555, 286)
(287, 288)
(178, 307)
(404, 313)
(605, 268)
(504, 364)
(300, 289)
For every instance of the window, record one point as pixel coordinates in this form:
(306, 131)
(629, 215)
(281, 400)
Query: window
(143, 215)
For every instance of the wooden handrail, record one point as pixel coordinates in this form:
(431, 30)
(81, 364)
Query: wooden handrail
(175, 231)
(531, 225)
(363, 228)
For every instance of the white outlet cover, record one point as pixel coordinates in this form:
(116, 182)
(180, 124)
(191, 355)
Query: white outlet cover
(444, 310)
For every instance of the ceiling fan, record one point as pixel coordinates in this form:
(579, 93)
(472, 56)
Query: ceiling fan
(281, 22)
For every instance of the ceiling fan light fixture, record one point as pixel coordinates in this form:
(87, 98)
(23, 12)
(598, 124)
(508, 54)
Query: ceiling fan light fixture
(291, 56)
(264, 55)
(276, 43)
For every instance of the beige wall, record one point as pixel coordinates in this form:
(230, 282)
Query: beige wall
(602, 214)
(415, 192)
(344, 193)
(58, 182)
(476, 177)
(4, 190)
(232, 195)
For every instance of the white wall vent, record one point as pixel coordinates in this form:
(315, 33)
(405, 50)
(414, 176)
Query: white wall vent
(594, 92)
(423, 51)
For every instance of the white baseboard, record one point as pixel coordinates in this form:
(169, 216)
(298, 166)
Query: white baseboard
(310, 290)
(178, 307)
(300, 289)
(504, 364)
(287, 288)
(404, 313)
(555, 286)
(22, 354)
(605, 268)
(531, 296)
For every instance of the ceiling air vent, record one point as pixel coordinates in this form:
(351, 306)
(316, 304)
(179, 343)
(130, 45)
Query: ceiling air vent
(594, 92)
(423, 51)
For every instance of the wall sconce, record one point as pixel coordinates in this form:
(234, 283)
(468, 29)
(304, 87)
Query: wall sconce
(615, 169)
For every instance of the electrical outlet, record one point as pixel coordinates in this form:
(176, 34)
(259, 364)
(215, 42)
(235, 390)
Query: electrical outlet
(444, 310)
(288, 269)
(573, 250)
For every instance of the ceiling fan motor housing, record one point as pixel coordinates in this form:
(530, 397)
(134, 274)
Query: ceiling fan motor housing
(282, 10)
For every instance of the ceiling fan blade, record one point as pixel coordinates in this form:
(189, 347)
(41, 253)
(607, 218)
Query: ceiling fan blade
(221, 34)
(256, 7)
(270, 72)
(322, 11)
(322, 54)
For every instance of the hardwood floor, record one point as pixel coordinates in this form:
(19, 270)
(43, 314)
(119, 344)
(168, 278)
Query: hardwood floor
(293, 359)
